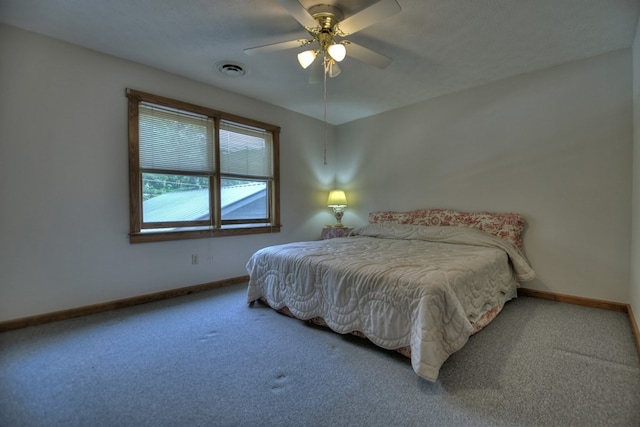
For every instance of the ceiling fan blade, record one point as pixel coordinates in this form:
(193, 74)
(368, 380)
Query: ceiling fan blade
(369, 16)
(299, 13)
(268, 48)
(367, 56)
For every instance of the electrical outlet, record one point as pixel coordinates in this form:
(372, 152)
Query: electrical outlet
(194, 259)
(210, 259)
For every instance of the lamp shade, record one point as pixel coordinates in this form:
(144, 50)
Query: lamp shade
(337, 51)
(306, 58)
(337, 198)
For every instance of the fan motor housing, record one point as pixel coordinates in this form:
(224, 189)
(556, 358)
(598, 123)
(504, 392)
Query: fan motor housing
(327, 16)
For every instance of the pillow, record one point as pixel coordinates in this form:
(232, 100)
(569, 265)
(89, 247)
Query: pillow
(508, 226)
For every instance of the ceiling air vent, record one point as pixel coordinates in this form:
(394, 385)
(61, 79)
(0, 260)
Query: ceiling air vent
(231, 70)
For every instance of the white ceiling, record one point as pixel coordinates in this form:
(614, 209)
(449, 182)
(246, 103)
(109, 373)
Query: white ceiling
(437, 46)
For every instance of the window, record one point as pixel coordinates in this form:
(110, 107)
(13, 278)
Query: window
(197, 172)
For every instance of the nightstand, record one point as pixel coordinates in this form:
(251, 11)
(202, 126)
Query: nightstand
(333, 232)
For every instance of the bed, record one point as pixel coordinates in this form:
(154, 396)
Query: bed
(419, 282)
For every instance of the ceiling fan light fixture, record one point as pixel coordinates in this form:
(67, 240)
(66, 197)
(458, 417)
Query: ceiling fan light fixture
(337, 51)
(334, 70)
(307, 57)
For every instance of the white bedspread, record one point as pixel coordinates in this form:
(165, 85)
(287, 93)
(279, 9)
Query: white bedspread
(400, 285)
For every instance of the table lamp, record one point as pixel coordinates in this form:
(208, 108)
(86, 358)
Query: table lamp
(338, 201)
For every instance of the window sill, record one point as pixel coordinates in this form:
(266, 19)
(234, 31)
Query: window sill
(162, 236)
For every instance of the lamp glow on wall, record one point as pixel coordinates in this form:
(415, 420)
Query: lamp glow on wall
(338, 201)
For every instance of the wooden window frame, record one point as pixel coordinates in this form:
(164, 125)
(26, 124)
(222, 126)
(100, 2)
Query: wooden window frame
(215, 227)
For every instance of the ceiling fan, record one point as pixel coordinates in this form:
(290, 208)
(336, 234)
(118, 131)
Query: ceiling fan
(326, 25)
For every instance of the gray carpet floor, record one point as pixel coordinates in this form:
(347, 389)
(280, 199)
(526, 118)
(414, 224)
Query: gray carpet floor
(209, 359)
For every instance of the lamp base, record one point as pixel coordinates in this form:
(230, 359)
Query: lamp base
(338, 212)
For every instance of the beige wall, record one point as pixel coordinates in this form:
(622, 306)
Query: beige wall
(64, 181)
(554, 145)
(635, 229)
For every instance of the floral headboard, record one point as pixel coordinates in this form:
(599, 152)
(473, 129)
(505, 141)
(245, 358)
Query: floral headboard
(508, 226)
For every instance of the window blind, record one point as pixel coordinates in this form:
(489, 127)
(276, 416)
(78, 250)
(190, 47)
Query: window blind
(245, 151)
(174, 140)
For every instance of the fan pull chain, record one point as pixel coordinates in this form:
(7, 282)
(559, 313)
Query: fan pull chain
(324, 102)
